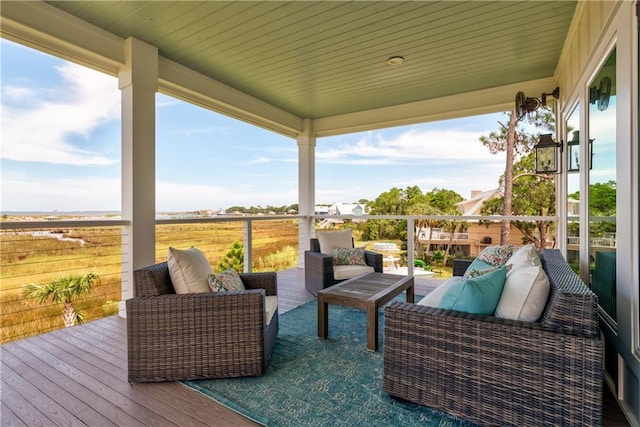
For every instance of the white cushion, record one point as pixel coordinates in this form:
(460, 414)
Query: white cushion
(334, 239)
(432, 299)
(342, 272)
(526, 256)
(524, 295)
(189, 270)
(270, 307)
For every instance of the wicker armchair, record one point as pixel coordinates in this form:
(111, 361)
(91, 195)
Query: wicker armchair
(174, 337)
(494, 371)
(318, 267)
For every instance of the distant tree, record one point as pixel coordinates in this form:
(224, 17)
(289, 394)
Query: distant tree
(392, 202)
(234, 258)
(63, 290)
(602, 203)
(444, 200)
(515, 142)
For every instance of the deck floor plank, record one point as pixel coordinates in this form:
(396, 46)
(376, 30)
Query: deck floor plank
(44, 404)
(31, 370)
(138, 404)
(8, 418)
(78, 376)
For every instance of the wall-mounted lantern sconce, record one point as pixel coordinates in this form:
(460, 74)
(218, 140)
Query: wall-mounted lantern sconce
(546, 154)
(573, 153)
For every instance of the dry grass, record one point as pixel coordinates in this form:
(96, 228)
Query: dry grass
(32, 258)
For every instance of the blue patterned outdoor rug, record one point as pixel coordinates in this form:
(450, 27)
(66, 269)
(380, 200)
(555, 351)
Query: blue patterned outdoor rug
(313, 382)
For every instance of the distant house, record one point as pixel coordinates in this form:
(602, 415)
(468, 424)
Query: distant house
(355, 209)
(346, 209)
(321, 210)
(477, 236)
(473, 205)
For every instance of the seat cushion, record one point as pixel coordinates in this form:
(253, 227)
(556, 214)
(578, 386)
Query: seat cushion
(189, 270)
(270, 307)
(342, 272)
(334, 239)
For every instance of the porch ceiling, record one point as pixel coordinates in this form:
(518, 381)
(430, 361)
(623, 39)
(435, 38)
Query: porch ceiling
(318, 59)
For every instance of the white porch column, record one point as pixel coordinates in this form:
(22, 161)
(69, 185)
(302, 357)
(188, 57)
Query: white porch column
(138, 81)
(306, 186)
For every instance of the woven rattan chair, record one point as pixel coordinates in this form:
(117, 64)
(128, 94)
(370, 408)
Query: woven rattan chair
(501, 372)
(193, 336)
(318, 267)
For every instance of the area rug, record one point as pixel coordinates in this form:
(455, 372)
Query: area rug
(314, 382)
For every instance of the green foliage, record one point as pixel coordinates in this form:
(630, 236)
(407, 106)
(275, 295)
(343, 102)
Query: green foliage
(496, 142)
(533, 195)
(234, 258)
(64, 290)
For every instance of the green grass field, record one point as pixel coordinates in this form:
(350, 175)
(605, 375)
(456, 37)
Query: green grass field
(33, 257)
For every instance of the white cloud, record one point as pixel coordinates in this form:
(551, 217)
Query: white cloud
(40, 131)
(21, 193)
(16, 93)
(412, 146)
(180, 197)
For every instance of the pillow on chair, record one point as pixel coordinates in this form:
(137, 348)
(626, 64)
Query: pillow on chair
(348, 256)
(334, 239)
(189, 270)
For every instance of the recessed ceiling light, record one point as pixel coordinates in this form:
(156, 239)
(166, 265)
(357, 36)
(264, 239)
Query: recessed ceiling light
(395, 60)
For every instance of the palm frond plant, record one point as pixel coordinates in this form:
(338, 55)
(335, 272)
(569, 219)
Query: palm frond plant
(63, 290)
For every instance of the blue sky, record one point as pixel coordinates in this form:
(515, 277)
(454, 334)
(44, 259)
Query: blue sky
(61, 149)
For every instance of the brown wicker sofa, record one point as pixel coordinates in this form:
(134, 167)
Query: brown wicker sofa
(174, 337)
(495, 371)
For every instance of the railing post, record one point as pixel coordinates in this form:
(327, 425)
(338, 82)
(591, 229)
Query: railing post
(411, 232)
(248, 246)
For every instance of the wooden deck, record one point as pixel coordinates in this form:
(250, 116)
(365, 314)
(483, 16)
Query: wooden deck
(78, 376)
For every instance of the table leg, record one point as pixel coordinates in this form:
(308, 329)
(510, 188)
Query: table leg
(323, 318)
(372, 327)
(410, 294)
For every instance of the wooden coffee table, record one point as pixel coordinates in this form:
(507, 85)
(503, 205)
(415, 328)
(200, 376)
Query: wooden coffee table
(369, 291)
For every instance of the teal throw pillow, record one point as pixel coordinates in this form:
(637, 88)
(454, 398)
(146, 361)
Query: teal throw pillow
(477, 295)
(478, 265)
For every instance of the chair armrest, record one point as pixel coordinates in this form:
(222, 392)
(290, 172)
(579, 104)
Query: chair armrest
(374, 259)
(267, 281)
(318, 271)
(460, 266)
(189, 336)
(489, 370)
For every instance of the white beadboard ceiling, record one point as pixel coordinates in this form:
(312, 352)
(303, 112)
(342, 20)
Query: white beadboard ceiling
(318, 59)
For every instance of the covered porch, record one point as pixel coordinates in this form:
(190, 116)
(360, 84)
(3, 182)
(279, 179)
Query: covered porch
(78, 376)
(292, 68)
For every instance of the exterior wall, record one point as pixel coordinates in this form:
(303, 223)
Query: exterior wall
(597, 27)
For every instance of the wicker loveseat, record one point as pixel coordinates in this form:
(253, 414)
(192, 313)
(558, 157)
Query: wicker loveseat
(495, 371)
(174, 337)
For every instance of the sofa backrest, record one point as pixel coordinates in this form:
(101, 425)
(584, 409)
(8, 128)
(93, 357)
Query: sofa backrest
(152, 281)
(572, 308)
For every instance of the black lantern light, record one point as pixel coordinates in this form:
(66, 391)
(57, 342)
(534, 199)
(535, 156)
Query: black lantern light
(546, 154)
(573, 152)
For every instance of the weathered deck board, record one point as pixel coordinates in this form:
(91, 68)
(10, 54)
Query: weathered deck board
(78, 376)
